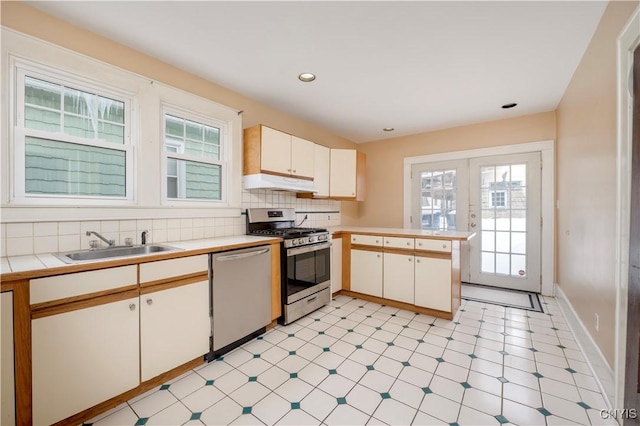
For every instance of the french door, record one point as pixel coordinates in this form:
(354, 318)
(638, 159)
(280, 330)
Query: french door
(498, 198)
(504, 211)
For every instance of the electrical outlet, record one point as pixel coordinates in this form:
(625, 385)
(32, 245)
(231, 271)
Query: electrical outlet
(597, 322)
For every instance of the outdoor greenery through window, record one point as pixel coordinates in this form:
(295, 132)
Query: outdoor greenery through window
(194, 159)
(74, 141)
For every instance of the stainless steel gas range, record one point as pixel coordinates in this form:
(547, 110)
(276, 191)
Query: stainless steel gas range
(305, 260)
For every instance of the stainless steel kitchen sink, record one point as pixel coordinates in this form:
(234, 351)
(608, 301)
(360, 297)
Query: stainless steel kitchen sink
(112, 252)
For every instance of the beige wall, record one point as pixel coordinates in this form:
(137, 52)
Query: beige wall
(586, 181)
(385, 159)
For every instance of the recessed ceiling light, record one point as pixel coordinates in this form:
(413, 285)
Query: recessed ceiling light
(507, 106)
(388, 129)
(307, 77)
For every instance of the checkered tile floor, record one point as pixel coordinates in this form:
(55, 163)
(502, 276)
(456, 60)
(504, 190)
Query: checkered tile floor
(360, 363)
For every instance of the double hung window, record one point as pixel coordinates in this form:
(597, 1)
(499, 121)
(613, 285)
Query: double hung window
(194, 157)
(72, 139)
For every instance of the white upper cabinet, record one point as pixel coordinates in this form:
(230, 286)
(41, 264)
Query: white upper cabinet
(274, 152)
(302, 157)
(346, 177)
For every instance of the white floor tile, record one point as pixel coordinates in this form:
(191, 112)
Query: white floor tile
(471, 417)
(271, 409)
(416, 376)
(294, 390)
(485, 383)
(394, 412)
(223, 412)
(336, 385)
(441, 408)
(409, 394)
(237, 357)
(447, 388)
(293, 363)
(202, 399)
(175, 414)
(309, 351)
(425, 419)
(522, 395)
(329, 360)
(154, 403)
(352, 370)
(254, 367)
(319, 404)
(344, 414)
(249, 394)
(122, 416)
(214, 370)
(187, 385)
(566, 409)
(273, 377)
(452, 371)
(231, 381)
(521, 415)
(482, 401)
(247, 420)
(377, 381)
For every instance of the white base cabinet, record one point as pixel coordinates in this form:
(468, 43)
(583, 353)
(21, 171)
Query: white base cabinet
(433, 283)
(398, 277)
(83, 357)
(174, 327)
(366, 272)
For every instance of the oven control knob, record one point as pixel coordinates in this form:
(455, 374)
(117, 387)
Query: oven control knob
(312, 240)
(322, 238)
(295, 242)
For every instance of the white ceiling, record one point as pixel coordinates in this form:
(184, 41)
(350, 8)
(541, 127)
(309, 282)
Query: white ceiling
(416, 66)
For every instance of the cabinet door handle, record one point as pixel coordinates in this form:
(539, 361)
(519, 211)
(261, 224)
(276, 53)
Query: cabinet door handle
(409, 259)
(294, 170)
(149, 302)
(387, 242)
(378, 255)
(132, 307)
(417, 260)
(408, 243)
(377, 241)
(444, 246)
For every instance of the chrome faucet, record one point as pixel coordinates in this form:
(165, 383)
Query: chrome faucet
(110, 242)
(143, 237)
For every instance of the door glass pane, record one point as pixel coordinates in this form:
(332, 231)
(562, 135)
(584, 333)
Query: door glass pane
(503, 206)
(438, 200)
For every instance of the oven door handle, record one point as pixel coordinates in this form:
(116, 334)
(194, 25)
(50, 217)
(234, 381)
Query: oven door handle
(242, 255)
(307, 249)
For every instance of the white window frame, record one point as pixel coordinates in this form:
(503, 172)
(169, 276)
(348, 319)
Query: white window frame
(223, 162)
(18, 196)
(494, 193)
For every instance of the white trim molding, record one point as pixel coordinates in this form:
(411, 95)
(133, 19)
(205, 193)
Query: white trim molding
(547, 150)
(628, 40)
(598, 364)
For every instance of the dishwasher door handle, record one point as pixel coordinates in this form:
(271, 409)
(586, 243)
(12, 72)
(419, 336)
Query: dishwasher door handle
(242, 255)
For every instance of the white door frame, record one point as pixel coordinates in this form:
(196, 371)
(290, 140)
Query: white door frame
(627, 41)
(547, 187)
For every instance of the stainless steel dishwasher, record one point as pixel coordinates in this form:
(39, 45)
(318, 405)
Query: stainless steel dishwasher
(240, 297)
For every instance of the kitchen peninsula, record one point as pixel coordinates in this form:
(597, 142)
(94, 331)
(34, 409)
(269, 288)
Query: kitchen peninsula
(406, 268)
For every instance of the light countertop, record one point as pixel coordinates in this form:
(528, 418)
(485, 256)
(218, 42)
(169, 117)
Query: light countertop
(405, 232)
(48, 263)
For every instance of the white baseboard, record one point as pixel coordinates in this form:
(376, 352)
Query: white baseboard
(602, 371)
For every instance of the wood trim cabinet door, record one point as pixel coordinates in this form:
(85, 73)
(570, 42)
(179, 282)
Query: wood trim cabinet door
(398, 272)
(174, 327)
(83, 357)
(366, 272)
(433, 283)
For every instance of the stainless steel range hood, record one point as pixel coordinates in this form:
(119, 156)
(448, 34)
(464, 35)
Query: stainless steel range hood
(277, 183)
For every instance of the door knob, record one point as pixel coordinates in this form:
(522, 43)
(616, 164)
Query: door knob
(132, 307)
(472, 224)
(149, 302)
(473, 215)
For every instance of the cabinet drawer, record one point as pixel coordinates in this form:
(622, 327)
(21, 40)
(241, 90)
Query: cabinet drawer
(397, 242)
(70, 285)
(366, 240)
(433, 245)
(164, 269)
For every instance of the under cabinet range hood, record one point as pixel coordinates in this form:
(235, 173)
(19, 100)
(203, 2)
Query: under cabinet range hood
(277, 183)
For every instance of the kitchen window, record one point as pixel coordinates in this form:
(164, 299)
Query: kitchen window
(193, 156)
(71, 140)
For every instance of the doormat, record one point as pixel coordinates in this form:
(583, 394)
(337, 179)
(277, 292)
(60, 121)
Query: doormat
(502, 297)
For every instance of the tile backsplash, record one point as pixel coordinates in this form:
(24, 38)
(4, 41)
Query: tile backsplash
(26, 238)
